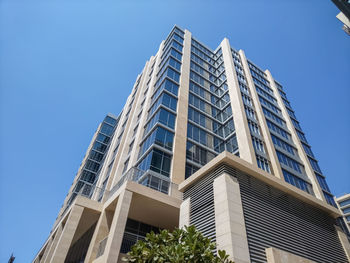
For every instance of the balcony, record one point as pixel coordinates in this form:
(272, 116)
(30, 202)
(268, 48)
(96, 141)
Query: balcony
(147, 178)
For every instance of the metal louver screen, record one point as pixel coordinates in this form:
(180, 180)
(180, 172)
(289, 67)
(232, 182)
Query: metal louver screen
(202, 213)
(273, 219)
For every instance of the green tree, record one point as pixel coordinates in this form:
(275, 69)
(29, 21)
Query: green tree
(179, 246)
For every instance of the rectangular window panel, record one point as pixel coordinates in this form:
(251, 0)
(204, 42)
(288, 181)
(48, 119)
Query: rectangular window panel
(289, 162)
(156, 161)
(107, 129)
(298, 182)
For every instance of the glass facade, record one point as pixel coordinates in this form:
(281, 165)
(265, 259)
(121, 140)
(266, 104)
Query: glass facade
(155, 152)
(95, 158)
(210, 127)
(210, 122)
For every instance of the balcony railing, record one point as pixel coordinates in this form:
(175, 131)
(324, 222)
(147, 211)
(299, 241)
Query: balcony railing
(130, 239)
(147, 178)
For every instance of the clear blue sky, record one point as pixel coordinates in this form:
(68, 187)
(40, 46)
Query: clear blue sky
(64, 64)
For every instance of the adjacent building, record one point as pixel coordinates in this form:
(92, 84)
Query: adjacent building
(344, 14)
(208, 138)
(344, 205)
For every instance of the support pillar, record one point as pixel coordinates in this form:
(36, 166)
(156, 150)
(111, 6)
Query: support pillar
(116, 232)
(101, 231)
(229, 220)
(344, 241)
(185, 207)
(180, 138)
(65, 240)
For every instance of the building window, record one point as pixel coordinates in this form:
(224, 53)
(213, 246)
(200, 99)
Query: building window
(314, 165)
(159, 136)
(329, 198)
(166, 100)
(298, 182)
(258, 144)
(162, 116)
(253, 127)
(157, 161)
(190, 169)
(346, 210)
(198, 154)
(99, 147)
(263, 163)
(289, 162)
(92, 166)
(110, 121)
(322, 181)
(102, 138)
(96, 156)
(107, 129)
(344, 203)
(283, 145)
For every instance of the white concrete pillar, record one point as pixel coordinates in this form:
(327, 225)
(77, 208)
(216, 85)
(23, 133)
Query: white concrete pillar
(65, 240)
(180, 138)
(116, 232)
(101, 231)
(265, 132)
(344, 241)
(185, 208)
(230, 228)
(245, 145)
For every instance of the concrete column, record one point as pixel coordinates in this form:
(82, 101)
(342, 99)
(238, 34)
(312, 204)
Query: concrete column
(116, 232)
(229, 220)
(344, 241)
(101, 231)
(275, 255)
(65, 240)
(46, 258)
(245, 145)
(180, 138)
(174, 191)
(185, 207)
(265, 132)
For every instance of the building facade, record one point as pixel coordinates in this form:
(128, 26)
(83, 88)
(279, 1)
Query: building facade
(206, 138)
(344, 205)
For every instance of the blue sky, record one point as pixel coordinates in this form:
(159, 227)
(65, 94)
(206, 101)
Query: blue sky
(65, 64)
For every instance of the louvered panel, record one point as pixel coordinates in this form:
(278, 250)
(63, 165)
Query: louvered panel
(272, 218)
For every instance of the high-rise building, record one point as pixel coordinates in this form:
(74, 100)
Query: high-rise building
(206, 138)
(344, 205)
(344, 15)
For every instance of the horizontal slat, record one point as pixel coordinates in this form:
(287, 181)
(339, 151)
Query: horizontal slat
(272, 218)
